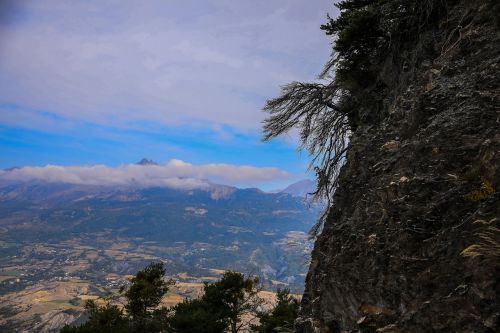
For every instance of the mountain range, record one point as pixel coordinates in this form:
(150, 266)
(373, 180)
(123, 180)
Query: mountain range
(211, 227)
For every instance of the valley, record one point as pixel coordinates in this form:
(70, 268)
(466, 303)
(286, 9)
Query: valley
(64, 244)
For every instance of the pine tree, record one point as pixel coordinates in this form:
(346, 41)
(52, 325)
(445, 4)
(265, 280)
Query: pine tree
(143, 312)
(196, 316)
(281, 317)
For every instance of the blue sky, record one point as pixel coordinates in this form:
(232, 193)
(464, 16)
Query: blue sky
(110, 82)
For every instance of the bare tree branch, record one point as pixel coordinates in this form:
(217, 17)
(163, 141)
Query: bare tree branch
(323, 128)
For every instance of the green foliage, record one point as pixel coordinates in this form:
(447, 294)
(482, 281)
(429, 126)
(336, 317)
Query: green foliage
(373, 34)
(221, 307)
(144, 295)
(281, 317)
(196, 316)
(146, 290)
(357, 32)
(372, 39)
(142, 313)
(233, 294)
(107, 318)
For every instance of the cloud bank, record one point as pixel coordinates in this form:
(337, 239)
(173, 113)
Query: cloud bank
(174, 173)
(190, 62)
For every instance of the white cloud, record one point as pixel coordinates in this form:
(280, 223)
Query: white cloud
(175, 173)
(172, 62)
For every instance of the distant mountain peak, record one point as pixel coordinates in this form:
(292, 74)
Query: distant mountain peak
(301, 188)
(146, 161)
(12, 168)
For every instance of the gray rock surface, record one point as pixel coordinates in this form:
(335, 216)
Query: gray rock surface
(412, 241)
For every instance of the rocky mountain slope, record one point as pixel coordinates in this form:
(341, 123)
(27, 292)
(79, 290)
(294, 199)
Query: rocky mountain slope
(411, 243)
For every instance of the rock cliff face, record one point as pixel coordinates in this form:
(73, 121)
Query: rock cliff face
(411, 243)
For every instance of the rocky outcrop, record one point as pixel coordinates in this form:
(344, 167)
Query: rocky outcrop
(411, 243)
(52, 321)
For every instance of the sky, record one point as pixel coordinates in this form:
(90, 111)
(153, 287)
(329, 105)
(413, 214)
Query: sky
(106, 83)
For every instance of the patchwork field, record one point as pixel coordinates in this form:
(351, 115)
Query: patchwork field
(43, 286)
(63, 244)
